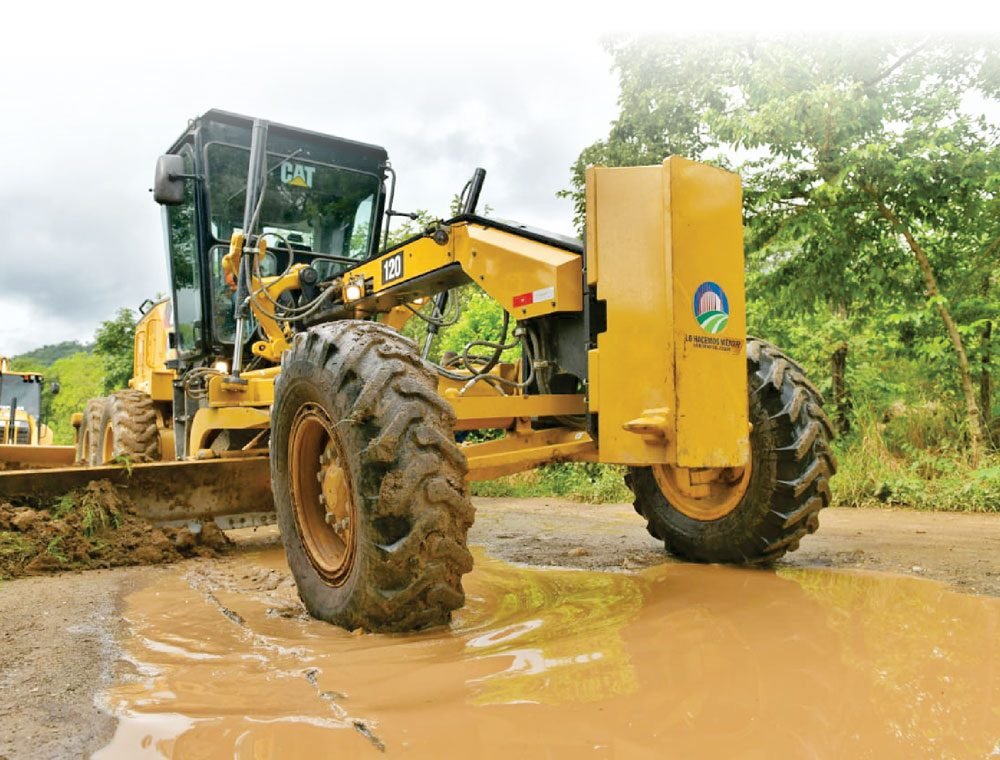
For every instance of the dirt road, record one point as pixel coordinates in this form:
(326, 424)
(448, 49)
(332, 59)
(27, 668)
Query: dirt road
(58, 634)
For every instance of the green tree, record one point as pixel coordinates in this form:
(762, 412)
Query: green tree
(870, 185)
(113, 343)
(81, 377)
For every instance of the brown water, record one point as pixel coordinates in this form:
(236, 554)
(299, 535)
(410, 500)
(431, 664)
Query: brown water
(679, 661)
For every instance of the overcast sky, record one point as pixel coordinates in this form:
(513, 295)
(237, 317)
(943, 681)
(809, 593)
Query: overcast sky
(93, 92)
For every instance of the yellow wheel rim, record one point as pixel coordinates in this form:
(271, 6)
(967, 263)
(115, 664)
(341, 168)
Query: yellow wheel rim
(321, 495)
(716, 498)
(108, 445)
(85, 447)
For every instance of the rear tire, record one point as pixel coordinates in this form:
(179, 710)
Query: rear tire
(88, 443)
(380, 543)
(129, 429)
(789, 480)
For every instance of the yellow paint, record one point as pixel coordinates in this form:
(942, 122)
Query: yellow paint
(258, 390)
(631, 371)
(265, 291)
(208, 420)
(507, 266)
(397, 317)
(712, 416)
(483, 409)
(655, 234)
(149, 355)
(704, 494)
(516, 452)
(161, 386)
(43, 455)
(501, 263)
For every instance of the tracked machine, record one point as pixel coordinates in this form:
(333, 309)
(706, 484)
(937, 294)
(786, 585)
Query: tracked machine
(275, 377)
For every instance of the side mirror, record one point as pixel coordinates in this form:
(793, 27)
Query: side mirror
(54, 388)
(168, 184)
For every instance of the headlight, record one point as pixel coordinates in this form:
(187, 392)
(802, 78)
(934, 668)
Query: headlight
(354, 290)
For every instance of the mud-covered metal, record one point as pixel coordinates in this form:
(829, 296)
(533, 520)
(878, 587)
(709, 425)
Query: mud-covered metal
(162, 491)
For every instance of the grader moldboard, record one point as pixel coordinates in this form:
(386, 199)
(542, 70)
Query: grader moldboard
(276, 368)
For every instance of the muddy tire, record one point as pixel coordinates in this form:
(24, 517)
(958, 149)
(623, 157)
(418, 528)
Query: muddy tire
(369, 485)
(88, 441)
(128, 428)
(788, 484)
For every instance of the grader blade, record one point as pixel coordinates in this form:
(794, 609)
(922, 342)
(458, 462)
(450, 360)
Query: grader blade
(26, 457)
(162, 491)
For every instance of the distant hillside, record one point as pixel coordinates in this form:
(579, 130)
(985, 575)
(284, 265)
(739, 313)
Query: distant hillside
(46, 355)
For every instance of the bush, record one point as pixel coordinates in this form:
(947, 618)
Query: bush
(579, 481)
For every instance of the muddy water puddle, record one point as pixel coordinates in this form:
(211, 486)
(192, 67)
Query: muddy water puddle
(677, 661)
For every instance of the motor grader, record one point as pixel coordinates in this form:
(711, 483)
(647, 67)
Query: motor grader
(276, 368)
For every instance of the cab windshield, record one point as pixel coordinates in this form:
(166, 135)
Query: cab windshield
(308, 208)
(25, 389)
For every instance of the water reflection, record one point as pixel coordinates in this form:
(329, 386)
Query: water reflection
(679, 661)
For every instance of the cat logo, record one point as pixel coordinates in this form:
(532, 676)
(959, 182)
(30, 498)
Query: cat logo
(298, 175)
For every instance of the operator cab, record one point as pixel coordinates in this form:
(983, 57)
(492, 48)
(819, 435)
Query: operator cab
(322, 203)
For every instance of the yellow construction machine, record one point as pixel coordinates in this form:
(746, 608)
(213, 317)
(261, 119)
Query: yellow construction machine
(21, 422)
(275, 376)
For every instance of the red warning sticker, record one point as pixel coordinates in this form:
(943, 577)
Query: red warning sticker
(535, 296)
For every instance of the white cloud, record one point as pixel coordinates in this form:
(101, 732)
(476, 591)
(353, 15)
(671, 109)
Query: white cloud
(81, 235)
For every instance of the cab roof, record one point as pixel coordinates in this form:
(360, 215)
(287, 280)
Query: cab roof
(218, 116)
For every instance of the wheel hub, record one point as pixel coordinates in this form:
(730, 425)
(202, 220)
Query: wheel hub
(334, 493)
(321, 495)
(703, 494)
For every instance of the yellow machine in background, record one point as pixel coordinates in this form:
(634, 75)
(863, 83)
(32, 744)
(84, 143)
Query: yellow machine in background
(21, 407)
(135, 422)
(275, 377)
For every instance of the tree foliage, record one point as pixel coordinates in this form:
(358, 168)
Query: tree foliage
(871, 185)
(47, 354)
(113, 343)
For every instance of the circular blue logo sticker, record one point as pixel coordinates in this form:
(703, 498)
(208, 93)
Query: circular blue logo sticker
(711, 307)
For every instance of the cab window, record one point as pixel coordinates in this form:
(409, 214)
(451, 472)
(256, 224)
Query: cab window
(182, 250)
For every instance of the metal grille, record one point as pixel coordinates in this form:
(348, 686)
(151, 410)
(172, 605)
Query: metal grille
(22, 434)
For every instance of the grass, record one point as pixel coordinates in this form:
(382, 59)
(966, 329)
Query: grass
(97, 516)
(63, 506)
(577, 481)
(15, 545)
(96, 512)
(54, 549)
(912, 457)
(938, 481)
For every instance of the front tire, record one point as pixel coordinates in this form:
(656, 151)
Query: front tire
(369, 485)
(786, 487)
